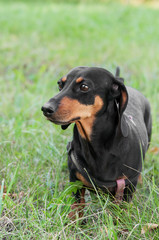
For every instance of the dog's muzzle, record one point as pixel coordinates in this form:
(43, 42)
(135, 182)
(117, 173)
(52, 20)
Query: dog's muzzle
(47, 110)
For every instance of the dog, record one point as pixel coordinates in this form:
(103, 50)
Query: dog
(111, 134)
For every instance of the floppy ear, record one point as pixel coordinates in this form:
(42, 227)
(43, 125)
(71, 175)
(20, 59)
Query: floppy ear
(120, 95)
(64, 127)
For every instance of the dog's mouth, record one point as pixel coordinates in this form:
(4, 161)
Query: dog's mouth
(55, 121)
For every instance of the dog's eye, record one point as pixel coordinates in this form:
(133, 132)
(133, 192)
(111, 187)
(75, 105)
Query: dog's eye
(84, 88)
(60, 86)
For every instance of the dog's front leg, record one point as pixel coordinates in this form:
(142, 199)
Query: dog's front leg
(78, 206)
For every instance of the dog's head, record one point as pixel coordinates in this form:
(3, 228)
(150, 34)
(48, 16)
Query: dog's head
(84, 93)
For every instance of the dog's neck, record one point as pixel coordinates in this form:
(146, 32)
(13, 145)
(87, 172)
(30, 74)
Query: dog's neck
(97, 148)
(98, 131)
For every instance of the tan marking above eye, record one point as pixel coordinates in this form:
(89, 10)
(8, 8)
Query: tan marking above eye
(64, 79)
(80, 79)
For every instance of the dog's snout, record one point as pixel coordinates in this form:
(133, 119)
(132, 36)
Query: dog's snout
(47, 110)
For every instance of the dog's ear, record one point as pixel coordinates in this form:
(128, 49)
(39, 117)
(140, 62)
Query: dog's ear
(64, 127)
(120, 95)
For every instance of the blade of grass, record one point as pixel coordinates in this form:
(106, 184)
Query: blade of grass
(1, 197)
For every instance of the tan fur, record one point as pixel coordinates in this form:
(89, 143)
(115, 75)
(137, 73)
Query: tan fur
(71, 108)
(77, 208)
(80, 79)
(83, 180)
(124, 98)
(64, 79)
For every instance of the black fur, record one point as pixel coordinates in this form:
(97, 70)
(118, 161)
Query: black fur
(121, 131)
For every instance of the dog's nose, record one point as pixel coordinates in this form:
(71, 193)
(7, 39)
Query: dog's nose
(47, 110)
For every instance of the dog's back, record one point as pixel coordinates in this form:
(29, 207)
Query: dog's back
(139, 113)
(137, 121)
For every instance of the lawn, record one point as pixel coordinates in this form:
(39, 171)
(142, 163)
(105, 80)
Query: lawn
(40, 41)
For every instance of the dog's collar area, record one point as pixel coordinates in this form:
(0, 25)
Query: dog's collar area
(119, 184)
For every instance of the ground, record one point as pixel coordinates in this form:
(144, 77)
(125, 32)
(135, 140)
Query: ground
(39, 43)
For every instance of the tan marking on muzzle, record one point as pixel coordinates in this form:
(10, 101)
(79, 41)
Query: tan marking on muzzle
(87, 124)
(71, 109)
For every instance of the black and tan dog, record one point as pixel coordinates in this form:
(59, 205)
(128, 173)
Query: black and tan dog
(112, 129)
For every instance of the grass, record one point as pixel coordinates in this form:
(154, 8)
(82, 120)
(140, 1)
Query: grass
(39, 43)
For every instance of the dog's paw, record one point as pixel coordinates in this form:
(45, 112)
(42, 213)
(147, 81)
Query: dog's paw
(77, 211)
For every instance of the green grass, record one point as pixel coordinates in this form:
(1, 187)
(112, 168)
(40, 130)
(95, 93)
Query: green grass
(39, 43)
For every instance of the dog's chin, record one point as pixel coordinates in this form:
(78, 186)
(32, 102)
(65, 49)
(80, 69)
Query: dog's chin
(58, 122)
